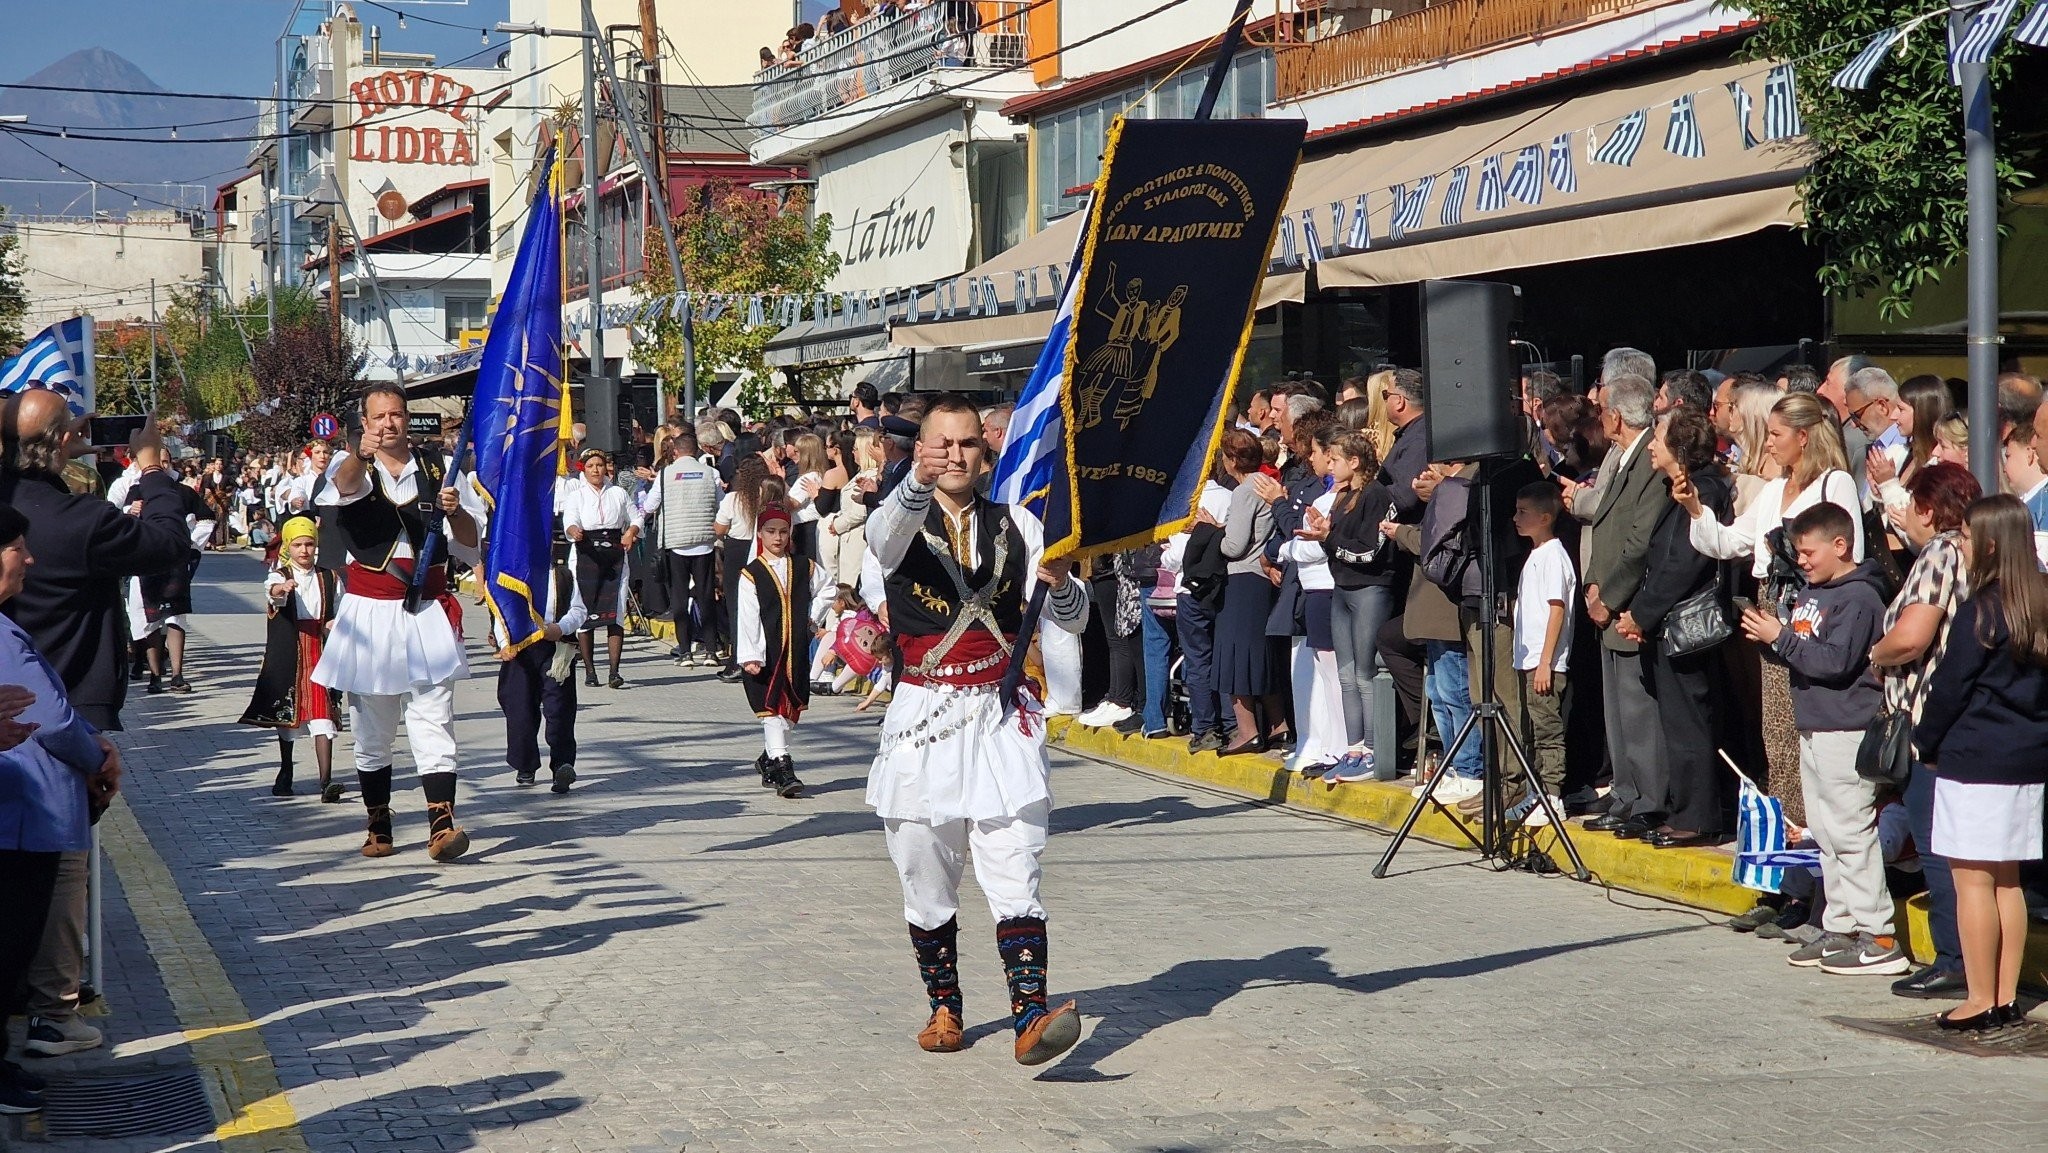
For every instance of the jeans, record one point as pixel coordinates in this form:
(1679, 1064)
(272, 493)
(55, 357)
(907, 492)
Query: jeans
(1941, 883)
(1197, 631)
(1356, 616)
(1450, 703)
(1158, 663)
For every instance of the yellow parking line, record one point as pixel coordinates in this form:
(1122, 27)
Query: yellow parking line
(226, 1045)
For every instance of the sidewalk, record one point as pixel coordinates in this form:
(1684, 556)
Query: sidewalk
(1696, 877)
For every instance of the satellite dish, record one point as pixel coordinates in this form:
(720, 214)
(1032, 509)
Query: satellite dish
(390, 205)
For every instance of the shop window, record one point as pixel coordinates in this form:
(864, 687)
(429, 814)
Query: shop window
(463, 312)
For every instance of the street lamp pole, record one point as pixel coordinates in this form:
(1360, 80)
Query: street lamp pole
(1980, 167)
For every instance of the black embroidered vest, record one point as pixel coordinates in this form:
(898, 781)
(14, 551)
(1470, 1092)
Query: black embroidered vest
(925, 592)
(374, 525)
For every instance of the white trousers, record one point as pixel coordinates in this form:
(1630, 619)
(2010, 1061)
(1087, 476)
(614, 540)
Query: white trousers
(1062, 653)
(429, 714)
(775, 736)
(930, 859)
(1318, 707)
(1841, 812)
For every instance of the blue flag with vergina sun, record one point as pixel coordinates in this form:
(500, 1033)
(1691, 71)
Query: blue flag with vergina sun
(518, 421)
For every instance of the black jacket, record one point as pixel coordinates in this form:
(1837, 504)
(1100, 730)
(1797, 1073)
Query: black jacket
(1673, 570)
(1406, 459)
(72, 603)
(1359, 556)
(1985, 720)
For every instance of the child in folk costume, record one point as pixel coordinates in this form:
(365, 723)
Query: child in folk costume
(781, 600)
(302, 600)
(538, 682)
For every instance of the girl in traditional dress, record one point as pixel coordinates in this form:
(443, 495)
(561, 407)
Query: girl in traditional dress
(782, 599)
(302, 600)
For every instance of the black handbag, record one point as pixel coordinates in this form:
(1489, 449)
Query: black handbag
(1885, 755)
(1697, 623)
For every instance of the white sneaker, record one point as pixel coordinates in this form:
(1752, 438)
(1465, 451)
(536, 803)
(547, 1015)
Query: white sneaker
(1532, 814)
(1093, 717)
(1106, 714)
(48, 1038)
(1458, 789)
(1421, 784)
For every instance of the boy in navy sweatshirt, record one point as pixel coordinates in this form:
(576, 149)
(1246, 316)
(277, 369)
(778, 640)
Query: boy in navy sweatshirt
(1826, 643)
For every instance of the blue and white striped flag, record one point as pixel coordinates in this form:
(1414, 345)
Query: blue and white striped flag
(1453, 211)
(1744, 110)
(1781, 105)
(1525, 180)
(1409, 206)
(1492, 196)
(1360, 237)
(1761, 857)
(1563, 176)
(1682, 136)
(1856, 74)
(1311, 241)
(1625, 141)
(1980, 37)
(58, 358)
(1290, 253)
(2033, 30)
(1037, 444)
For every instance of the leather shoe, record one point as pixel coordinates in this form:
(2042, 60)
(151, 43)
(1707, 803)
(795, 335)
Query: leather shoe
(1049, 1036)
(1679, 839)
(1255, 745)
(942, 1033)
(1931, 983)
(1634, 828)
(1607, 822)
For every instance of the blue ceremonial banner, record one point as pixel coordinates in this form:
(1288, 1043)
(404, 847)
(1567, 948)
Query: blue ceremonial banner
(58, 358)
(519, 421)
(1180, 229)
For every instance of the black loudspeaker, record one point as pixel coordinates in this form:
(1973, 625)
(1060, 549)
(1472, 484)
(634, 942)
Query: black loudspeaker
(607, 415)
(1469, 370)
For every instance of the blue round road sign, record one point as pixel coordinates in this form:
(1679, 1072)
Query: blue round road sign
(325, 426)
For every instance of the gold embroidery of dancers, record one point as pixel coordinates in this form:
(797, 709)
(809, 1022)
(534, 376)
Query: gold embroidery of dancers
(1127, 365)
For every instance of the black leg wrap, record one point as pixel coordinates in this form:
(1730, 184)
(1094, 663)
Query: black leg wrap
(438, 787)
(375, 785)
(1022, 943)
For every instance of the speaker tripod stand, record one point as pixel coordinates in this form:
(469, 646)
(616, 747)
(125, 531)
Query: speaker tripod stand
(1490, 724)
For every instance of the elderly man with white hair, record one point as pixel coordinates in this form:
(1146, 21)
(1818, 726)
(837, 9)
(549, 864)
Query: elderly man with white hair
(1873, 403)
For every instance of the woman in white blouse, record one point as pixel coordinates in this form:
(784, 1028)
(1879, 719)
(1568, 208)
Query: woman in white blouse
(1812, 467)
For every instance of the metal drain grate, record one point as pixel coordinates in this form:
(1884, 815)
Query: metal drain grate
(2028, 1039)
(166, 1104)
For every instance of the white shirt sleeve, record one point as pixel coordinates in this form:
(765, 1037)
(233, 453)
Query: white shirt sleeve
(752, 645)
(576, 615)
(893, 526)
(1066, 604)
(874, 590)
(331, 495)
(728, 511)
(824, 592)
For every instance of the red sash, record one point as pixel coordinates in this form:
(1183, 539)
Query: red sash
(975, 659)
(380, 585)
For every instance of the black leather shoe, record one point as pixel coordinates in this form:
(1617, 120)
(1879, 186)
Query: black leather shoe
(1932, 983)
(1678, 839)
(1607, 822)
(1991, 1018)
(1633, 829)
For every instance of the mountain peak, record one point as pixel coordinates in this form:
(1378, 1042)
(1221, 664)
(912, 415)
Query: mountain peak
(95, 69)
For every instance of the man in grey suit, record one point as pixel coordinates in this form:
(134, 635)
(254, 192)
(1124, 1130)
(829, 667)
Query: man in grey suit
(1631, 498)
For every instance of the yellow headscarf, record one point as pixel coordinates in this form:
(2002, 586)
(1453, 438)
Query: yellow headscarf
(298, 528)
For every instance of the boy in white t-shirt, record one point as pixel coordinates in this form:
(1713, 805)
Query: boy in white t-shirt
(1544, 601)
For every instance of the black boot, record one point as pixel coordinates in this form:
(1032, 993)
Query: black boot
(375, 786)
(1042, 1034)
(282, 786)
(761, 766)
(938, 963)
(782, 777)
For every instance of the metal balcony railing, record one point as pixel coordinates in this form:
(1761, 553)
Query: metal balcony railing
(264, 142)
(885, 51)
(1427, 34)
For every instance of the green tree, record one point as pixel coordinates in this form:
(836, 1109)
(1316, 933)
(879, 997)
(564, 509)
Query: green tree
(1884, 198)
(13, 297)
(733, 240)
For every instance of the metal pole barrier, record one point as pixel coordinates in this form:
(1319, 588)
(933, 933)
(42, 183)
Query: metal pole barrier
(97, 974)
(1980, 163)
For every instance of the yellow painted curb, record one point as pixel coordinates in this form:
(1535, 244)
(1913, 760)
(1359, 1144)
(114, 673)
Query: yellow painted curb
(226, 1045)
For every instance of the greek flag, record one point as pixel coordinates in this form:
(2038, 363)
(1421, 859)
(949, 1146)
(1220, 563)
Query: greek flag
(1856, 74)
(1761, 857)
(1525, 180)
(2033, 30)
(1625, 141)
(58, 358)
(1744, 106)
(1492, 196)
(1454, 197)
(1290, 253)
(1562, 176)
(1037, 444)
(1980, 37)
(1781, 106)
(1682, 137)
(1311, 243)
(1361, 225)
(1408, 207)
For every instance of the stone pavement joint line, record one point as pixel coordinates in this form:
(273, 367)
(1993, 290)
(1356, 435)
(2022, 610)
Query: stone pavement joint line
(256, 1116)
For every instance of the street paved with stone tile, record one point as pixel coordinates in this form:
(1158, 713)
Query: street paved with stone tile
(670, 958)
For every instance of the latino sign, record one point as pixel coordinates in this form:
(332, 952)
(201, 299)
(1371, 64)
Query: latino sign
(381, 99)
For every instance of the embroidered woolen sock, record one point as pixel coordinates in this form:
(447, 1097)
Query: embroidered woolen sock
(1021, 942)
(938, 963)
(375, 785)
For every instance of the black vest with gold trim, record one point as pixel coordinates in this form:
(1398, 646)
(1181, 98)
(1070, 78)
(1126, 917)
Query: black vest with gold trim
(925, 594)
(374, 525)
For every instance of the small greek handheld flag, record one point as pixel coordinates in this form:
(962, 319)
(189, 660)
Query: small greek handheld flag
(1744, 106)
(1781, 106)
(1492, 197)
(1525, 180)
(1856, 74)
(58, 358)
(1625, 141)
(1562, 176)
(1980, 37)
(1761, 857)
(1453, 211)
(2033, 30)
(1361, 225)
(1682, 137)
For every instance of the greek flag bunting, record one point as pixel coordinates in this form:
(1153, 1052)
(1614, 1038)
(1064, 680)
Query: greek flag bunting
(1311, 243)
(1744, 107)
(1856, 74)
(1290, 253)
(1492, 196)
(1980, 37)
(1361, 225)
(1525, 180)
(1682, 137)
(1781, 106)
(1625, 141)
(1562, 176)
(59, 358)
(2033, 29)
(1761, 857)
(1337, 220)
(1408, 207)
(1453, 211)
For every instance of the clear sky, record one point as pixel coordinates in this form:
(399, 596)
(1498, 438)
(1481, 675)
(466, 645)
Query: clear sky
(224, 46)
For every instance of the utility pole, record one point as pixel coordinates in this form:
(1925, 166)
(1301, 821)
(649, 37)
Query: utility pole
(654, 184)
(152, 346)
(594, 419)
(334, 278)
(1980, 167)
